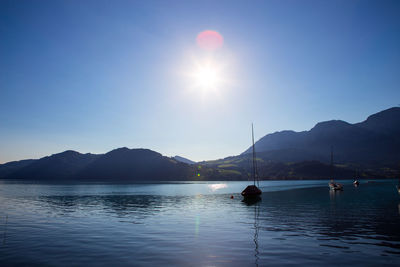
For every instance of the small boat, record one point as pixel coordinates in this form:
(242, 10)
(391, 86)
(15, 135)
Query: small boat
(356, 182)
(335, 186)
(332, 185)
(252, 191)
(398, 188)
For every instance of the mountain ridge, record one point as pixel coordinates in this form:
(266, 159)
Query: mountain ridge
(377, 135)
(372, 146)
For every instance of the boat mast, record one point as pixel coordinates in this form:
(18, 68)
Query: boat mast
(399, 176)
(254, 155)
(332, 162)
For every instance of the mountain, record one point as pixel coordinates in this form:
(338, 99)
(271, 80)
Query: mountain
(135, 164)
(10, 167)
(184, 160)
(58, 166)
(385, 122)
(375, 141)
(122, 165)
(371, 147)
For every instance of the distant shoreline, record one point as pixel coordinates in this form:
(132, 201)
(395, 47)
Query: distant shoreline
(172, 181)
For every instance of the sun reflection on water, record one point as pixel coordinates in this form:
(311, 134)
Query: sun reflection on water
(215, 187)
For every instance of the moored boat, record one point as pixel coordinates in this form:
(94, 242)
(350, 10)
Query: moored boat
(333, 185)
(356, 182)
(252, 191)
(398, 186)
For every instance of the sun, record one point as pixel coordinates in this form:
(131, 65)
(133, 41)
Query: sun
(207, 72)
(206, 77)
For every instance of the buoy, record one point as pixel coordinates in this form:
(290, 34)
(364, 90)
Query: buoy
(231, 196)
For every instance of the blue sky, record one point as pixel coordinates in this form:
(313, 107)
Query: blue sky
(96, 75)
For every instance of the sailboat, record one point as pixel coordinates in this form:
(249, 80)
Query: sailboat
(356, 182)
(398, 188)
(252, 191)
(332, 185)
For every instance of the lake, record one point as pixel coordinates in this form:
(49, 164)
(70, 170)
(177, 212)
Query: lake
(198, 224)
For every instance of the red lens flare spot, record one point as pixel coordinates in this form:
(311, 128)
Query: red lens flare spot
(209, 40)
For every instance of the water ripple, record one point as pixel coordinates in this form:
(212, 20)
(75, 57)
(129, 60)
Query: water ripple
(63, 225)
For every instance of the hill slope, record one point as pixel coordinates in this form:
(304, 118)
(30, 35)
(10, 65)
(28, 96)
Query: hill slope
(122, 165)
(372, 147)
(10, 167)
(375, 141)
(58, 166)
(135, 164)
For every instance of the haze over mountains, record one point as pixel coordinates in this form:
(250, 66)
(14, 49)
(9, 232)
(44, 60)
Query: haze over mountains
(372, 147)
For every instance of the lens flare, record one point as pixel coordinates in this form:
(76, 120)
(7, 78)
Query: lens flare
(209, 40)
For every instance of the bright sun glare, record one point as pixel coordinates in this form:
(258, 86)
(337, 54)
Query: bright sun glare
(207, 69)
(206, 77)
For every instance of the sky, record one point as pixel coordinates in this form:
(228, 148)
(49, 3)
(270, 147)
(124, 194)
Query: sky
(93, 76)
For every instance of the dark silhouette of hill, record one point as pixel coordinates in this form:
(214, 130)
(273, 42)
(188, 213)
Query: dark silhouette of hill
(12, 166)
(121, 165)
(55, 167)
(375, 141)
(384, 122)
(286, 170)
(135, 165)
(372, 147)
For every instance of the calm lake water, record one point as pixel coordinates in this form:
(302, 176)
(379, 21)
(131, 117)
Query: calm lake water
(198, 224)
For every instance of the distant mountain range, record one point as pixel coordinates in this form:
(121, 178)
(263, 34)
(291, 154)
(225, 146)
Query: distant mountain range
(120, 164)
(371, 147)
(375, 141)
